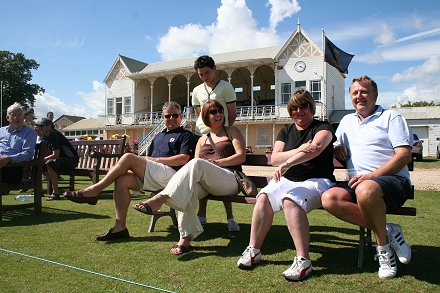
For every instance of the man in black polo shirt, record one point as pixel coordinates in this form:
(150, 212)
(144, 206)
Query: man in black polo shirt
(63, 156)
(170, 149)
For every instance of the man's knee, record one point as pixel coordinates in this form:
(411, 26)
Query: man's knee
(367, 191)
(331, 197)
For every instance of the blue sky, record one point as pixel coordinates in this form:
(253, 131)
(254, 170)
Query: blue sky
(396, 42)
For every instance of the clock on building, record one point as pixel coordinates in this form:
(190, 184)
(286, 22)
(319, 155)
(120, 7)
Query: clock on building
(300, 66)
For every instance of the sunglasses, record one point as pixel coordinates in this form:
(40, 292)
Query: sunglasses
(301, 106)
(168, 116)
(216, 111)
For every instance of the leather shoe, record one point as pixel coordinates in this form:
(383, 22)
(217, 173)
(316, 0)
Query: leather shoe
(113, 236)
(79, 197)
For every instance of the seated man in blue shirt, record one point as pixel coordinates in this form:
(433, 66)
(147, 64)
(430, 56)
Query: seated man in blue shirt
(17, 144)
(170, 149)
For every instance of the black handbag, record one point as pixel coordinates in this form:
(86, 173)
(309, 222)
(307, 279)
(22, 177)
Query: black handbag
(245, 184)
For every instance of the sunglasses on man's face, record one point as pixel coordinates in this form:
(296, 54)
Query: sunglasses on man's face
(168, 116)
(301, 106)
(216, 111)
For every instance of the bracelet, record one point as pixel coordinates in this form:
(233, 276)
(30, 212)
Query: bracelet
(288, 165)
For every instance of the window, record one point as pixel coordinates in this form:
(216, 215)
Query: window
(238, 89)
(300, 84)
(127, 105)
(286, 92)
(315, 90)
(110, 107)
(257, 88)
(264, 136)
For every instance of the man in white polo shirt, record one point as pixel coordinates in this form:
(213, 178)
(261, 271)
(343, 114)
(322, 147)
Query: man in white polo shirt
(376, 144)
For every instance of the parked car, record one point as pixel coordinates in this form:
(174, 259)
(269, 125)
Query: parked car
(417, 150)
(438, 149)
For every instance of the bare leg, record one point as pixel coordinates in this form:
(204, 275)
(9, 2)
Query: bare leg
(369, 212)
(373, 208)
(262, 218)
(128, 162)
(298, 225)
(122, 198)
(53, 177)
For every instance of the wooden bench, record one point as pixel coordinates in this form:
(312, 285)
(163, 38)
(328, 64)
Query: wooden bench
(365, 239)
(35, 167)
(96, 157)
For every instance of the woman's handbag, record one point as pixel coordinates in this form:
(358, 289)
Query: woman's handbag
(245, 184)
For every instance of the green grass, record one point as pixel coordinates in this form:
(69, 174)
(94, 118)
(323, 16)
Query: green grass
(427, 163)
(65, 234)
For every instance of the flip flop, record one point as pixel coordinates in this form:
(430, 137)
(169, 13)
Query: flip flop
(79, 197)
(183, 249)
(145, 209)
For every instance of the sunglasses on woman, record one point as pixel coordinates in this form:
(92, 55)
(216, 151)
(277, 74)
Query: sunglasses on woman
(168, 116)
(216, 111)
(302, 106)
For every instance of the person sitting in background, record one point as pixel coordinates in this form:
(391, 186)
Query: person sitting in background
(303, 152)
(377, 144)
(210, 172)
(168, 152)
(29, 117)
(17, 144)
(63, 156)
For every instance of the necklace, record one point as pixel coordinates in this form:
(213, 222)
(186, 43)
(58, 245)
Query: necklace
(210, 92)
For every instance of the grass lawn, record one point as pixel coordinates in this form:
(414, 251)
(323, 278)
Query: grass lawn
(427, 163)
(64, 234)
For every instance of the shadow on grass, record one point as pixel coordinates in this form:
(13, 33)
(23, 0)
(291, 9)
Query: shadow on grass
(26, 217)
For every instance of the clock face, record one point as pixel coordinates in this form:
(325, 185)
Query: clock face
(300, 66)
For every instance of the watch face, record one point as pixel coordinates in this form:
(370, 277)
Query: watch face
(300, 66)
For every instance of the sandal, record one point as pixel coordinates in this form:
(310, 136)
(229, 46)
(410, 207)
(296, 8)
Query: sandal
(80, 197)
(53, 196)
(183, 249)
(145, 209)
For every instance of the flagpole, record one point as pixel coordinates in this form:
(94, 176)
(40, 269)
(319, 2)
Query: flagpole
(324, 79)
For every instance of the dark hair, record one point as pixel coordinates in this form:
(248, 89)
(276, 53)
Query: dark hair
(209, 105)
(364, 80)
(204, 61)
(299, 97)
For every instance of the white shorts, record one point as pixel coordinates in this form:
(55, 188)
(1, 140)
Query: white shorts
(306, 194)
(156, 176)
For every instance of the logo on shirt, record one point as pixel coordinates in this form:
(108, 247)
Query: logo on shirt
(172, 139)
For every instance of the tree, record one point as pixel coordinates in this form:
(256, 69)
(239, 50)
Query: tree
(15, 73)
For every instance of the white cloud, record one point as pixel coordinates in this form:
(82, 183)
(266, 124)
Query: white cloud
(91, 104)
(235, 29)
(426, 72)
(385, 35)
(282, 9)
(423, 82)
(94, 101)
(409, 52)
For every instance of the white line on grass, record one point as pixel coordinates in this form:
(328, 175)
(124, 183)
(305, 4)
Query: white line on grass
(87, 271)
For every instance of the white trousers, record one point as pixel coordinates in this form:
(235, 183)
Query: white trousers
(192, 182)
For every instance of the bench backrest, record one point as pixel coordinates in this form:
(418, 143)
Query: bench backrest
(86, 147)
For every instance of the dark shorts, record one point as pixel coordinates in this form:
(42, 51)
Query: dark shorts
(12, 175)
(64, 164)
(395, 190)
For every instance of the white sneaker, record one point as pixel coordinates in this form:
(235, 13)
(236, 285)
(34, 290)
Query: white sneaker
(300, 269)
(387, 262)
(249, 258)
(233, 226)
(395, 237)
